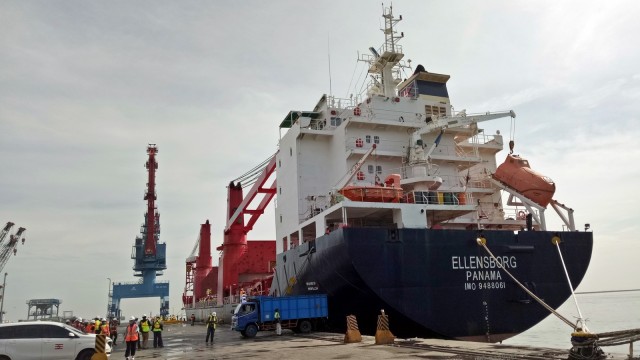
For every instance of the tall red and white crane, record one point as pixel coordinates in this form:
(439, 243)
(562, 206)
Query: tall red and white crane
(9, 246)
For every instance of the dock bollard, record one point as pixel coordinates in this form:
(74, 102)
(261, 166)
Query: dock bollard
(383, 334)
(101, 341)
(353, 333)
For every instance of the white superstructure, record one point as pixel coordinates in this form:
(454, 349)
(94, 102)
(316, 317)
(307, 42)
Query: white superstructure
(444, 160)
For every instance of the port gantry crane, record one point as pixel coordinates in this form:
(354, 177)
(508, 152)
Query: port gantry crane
(148, 253)
(9, 246)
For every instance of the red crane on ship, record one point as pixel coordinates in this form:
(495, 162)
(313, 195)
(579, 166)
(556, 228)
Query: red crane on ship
(243, 264)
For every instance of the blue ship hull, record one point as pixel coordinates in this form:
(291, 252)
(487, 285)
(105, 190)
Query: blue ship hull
(435, 283)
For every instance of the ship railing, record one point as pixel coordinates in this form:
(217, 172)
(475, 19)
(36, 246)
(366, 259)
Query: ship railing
(407, 118)
(438, 197)
(338, 104)
(483, 139)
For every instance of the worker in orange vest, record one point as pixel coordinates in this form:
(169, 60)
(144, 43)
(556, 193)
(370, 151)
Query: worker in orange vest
(89, 327)
(105, 327)
(131, 338)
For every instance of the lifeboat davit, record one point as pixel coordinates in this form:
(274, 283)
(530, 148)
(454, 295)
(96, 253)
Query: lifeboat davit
(389, 191)
(516, 173)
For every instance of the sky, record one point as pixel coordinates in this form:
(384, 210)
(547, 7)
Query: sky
(86, 85)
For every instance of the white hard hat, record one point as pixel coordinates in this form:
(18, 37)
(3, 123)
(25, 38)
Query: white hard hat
(79, 319)
(214, 313)
(144, 315)
(133, 318)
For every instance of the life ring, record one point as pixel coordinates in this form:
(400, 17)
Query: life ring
(521, 215)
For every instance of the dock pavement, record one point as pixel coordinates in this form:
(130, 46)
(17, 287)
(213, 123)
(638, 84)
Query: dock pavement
(183, 341)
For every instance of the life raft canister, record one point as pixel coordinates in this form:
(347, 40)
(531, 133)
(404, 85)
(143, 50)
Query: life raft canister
(357, 111)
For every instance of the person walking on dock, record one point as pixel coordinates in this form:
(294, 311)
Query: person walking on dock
(131, 338)
(212, 321)
(145, 326)
(276, 317)
(113, 330)
(157, 332)
(193, 319)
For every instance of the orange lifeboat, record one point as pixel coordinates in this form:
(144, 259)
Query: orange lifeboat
(516, 173)
(389, 191)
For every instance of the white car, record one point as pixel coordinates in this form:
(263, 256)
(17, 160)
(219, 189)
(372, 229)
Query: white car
(46, 340)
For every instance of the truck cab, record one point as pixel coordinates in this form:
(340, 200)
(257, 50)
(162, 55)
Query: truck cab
(243, 315)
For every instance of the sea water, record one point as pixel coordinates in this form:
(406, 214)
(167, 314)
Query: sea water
(604, 312)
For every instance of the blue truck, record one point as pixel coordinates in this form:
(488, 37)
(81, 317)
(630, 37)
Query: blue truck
(300, 313)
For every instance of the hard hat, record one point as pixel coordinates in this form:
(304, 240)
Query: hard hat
(144, 315)
(214, 313)
(133, 318)
(79, 319)
(103, 319)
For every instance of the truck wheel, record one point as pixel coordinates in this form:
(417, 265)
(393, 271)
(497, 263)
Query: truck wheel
(305, 326)
(251, 331)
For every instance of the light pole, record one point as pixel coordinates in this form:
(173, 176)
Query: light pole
(4, 286)
(109, 298)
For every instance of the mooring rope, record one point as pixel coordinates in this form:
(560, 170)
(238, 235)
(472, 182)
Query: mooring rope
(483, 242)
(556, 240)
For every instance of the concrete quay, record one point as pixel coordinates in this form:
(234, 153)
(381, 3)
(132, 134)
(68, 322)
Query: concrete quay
(188, 342)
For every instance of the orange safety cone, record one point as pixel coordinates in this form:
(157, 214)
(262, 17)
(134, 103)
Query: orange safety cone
(353, 333)
(383, 334)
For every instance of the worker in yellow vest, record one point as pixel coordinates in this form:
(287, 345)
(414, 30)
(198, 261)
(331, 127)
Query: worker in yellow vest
(212, 321)
(157, 332)
(145, 327)
(131, 338)
(97, 328)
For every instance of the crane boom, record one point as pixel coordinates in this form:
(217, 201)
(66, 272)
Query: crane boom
(345, 180)
(10, 246)
(461, 120)
(5, 231)
(417, 154)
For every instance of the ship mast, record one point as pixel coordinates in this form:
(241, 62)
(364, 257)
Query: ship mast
(385, 62)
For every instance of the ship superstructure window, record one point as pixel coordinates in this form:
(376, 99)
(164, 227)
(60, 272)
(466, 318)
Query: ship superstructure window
(376, 139)
(336, 121)
(367, 139)
(435, 110)
(290, 152)
(379, 169)
(370, 168)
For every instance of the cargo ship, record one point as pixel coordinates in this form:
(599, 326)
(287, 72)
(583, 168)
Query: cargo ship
(382, 200)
